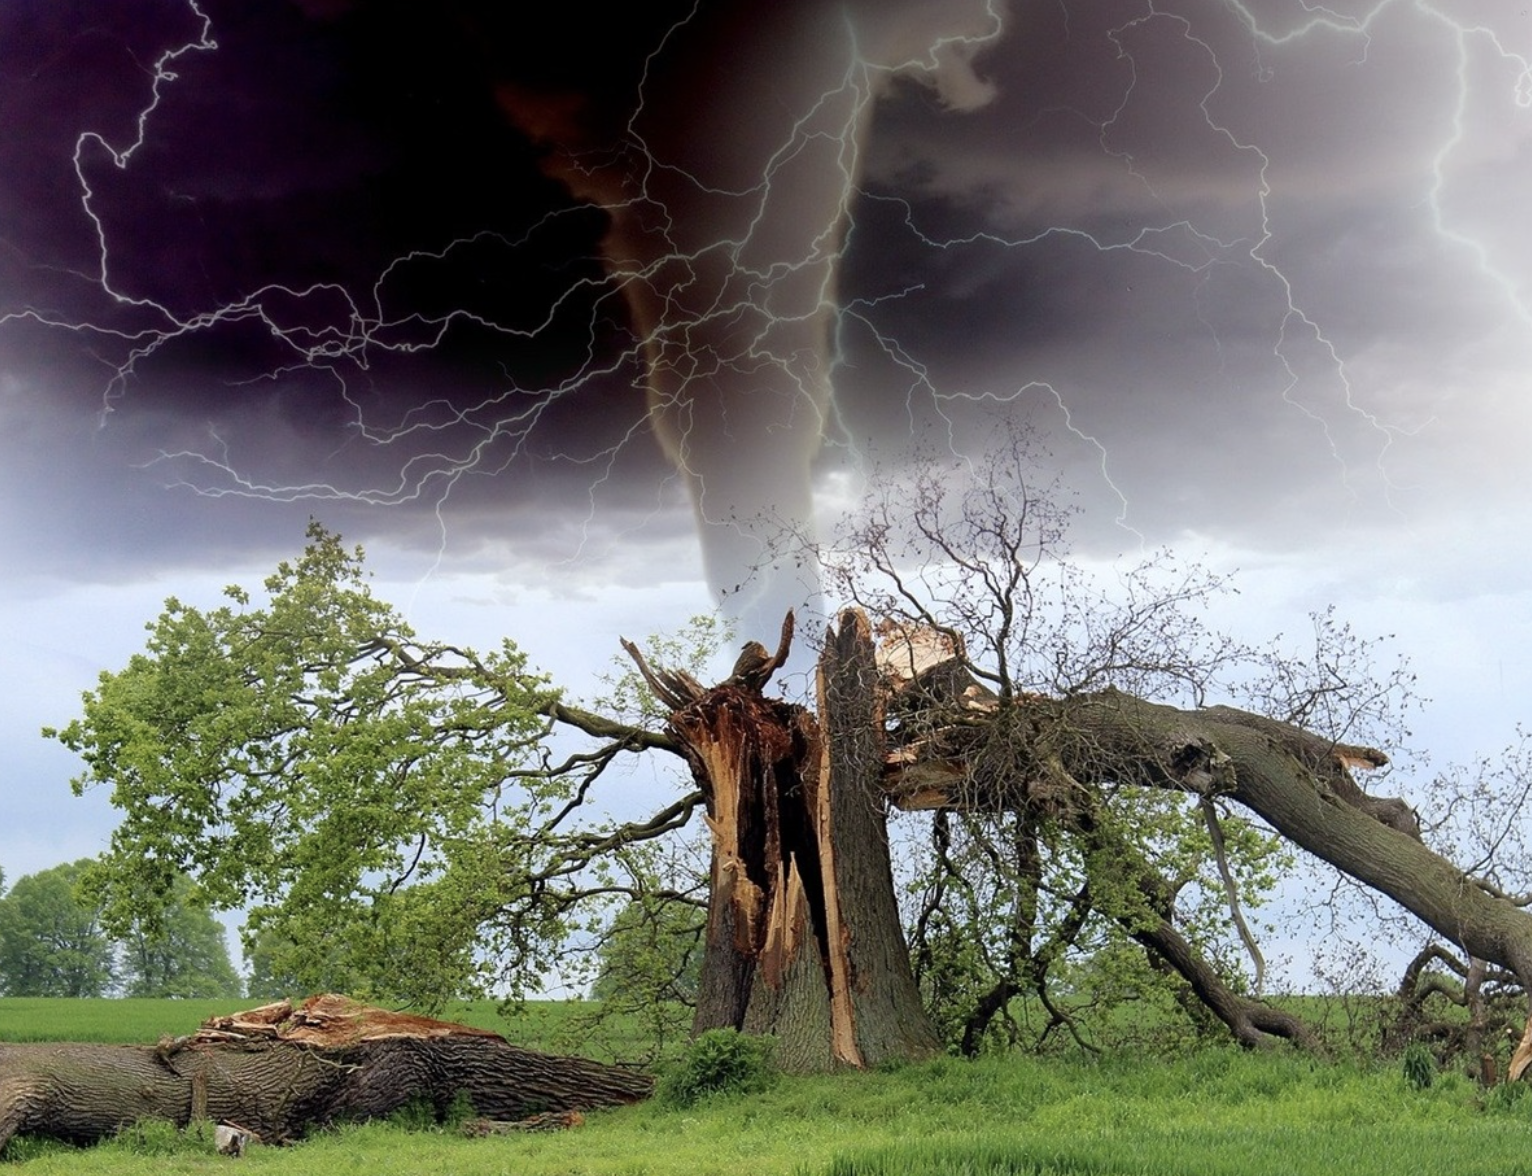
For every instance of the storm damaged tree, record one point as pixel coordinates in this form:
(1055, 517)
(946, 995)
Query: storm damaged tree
(803, 937)
(1027, 872)
(412, 815)
(1123, 797)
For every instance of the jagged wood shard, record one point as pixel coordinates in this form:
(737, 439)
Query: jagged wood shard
(803, 934)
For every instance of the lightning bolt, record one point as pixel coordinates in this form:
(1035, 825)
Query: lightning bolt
(1178, 242)
(729, 303)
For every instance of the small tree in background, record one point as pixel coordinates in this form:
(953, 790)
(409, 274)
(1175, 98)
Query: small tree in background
(51, 939)
(269, 979)
(186, 955)
(649, 960)
(653, 949)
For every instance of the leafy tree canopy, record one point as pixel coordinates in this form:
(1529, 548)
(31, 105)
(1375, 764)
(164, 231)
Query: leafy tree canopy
(52, 942)
(388, 809)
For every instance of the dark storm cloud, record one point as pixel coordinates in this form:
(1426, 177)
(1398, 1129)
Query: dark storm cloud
(1257, 269)
(307, 151)
(1212, 250)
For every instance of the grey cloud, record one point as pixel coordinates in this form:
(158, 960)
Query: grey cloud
(1159, 335)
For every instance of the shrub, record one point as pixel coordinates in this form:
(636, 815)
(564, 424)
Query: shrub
(1419, 1066)
(422, 1114)
(721, 1061)
(1506, 1099)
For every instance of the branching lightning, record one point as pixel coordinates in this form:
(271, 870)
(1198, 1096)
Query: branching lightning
(726, 292)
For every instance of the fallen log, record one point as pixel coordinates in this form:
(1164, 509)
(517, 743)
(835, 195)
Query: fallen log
(279, 1072)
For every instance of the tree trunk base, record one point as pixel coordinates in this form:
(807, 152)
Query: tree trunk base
(803, 933)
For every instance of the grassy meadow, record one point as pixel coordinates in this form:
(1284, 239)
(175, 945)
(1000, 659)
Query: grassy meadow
(1213, 1111)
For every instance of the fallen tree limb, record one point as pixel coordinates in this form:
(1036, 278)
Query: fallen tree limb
(280, 1077)
(547, 1121)
(1053, 750)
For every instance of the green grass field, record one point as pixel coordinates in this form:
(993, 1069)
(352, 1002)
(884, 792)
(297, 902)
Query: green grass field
(555, 1026)
(1212, 1112)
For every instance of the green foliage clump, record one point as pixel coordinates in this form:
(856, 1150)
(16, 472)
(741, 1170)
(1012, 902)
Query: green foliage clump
(373, 800)
(180, 953)
(1508, 1098)
(423, 1114)
(51, 939)
(650, 961)
(1419, 1066)
(54, 943)
(721, 1061)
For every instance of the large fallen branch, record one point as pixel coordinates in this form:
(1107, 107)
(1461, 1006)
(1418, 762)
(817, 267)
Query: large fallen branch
(280, 1072)
(1053, 752)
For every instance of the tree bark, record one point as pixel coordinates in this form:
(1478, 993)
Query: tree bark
(1299, 783)
(280, 1086)
(803, 933)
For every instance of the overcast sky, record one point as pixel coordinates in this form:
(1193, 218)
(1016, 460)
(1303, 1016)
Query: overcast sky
(1261, 273)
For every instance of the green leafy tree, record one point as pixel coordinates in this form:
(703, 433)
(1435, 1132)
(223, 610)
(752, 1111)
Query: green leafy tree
(185, 955)
(266, 980)
(648, 961)
(270, 953)
(388, 809)
(652, 952)
(51, 938)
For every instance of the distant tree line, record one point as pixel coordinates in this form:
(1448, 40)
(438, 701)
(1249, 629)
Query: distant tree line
(52, 943)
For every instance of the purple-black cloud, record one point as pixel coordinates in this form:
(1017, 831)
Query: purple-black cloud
(1259, 271)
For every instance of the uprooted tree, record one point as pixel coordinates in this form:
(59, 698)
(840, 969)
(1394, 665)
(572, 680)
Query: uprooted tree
(408, 819)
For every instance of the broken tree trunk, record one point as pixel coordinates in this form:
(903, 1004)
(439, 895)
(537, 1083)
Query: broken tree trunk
(279, 1072)
(803, 933)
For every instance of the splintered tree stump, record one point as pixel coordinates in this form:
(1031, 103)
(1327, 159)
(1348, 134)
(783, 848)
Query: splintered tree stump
(803, 933)
(278, 1072)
